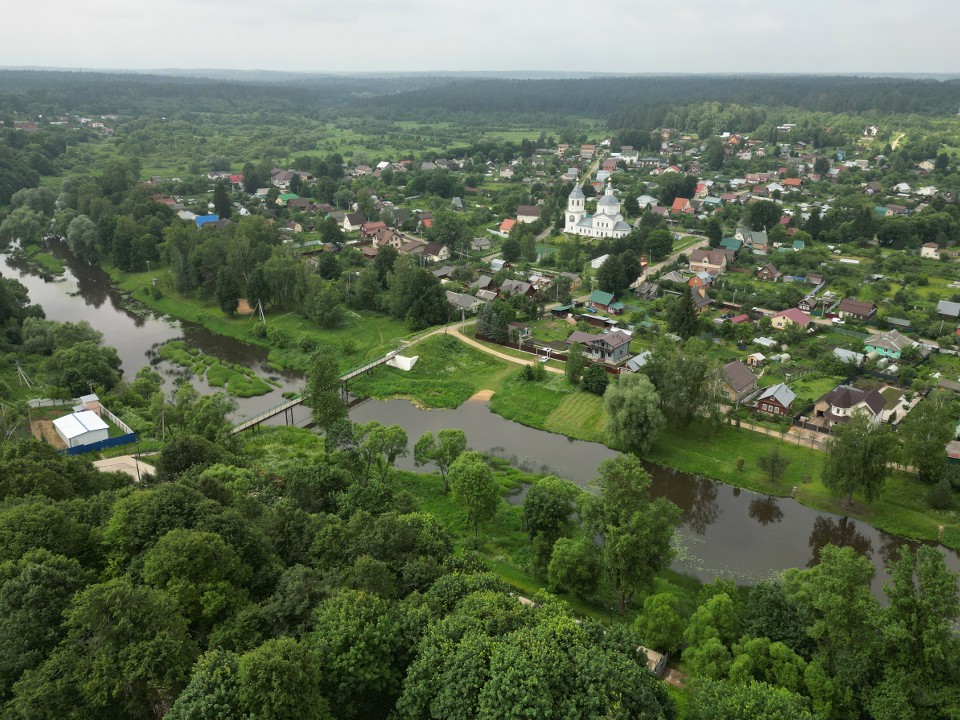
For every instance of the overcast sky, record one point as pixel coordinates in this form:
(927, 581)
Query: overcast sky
(637, 36)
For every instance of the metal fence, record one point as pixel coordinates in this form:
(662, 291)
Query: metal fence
(101, 445)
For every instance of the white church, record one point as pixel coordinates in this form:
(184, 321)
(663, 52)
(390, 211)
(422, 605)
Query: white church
(606, 222)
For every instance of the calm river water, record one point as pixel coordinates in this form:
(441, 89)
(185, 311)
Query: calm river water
(726, 532)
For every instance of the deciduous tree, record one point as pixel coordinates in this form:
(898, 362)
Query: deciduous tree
(633, 412)
(635, 531)
(449, 444)
(474, 488)
(857, 457)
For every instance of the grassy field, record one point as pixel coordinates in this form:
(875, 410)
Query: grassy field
(446, 375)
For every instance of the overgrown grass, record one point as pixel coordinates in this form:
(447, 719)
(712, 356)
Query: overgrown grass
(446, 375)
(36, 256)
(552, 405)
(235, 379)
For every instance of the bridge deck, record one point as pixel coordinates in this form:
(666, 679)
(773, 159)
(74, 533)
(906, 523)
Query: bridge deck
(294, 402)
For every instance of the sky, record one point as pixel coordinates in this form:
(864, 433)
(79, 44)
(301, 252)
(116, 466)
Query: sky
(623, 36)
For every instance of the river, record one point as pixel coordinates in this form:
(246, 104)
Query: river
(726, 532)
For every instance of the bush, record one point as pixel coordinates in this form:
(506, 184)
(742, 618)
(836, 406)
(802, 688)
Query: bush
(596, 379)
(277, 337)
(259, 330)
(940, 496)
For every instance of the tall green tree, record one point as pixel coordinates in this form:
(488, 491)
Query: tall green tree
(727, 700)
(925, 432)
(682, 317)
(322, 393)
(34, 592)
(575, 363)
(857, 457)
(280, 680)
(449, 444)
(844, 616)
(764, 214)
(213, 692)
(574, 567)
(227, 291)
(660, 624)
(687, 380)
(633, 412)
(920, 648)
(474, 488)
(379, 446)
(635, 531)
(773, 464)
(127, 653)
(84, 366)
(221, 201)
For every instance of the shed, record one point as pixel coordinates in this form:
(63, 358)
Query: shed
(81, 428)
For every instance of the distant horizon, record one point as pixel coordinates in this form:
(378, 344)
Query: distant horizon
(213, 72)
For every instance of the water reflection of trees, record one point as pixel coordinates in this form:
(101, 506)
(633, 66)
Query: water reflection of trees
(841, 532)
(766, 510)
(698, 501)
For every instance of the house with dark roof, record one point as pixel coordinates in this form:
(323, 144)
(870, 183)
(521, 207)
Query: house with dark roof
(509, 288)
(841, 403)
(738, 381)
(769, 273)
(528, 213)
(647, 290)
(612, 347)
(353, 221)
(776, 400)
(605, 302)
(856, 309)
(701, 301)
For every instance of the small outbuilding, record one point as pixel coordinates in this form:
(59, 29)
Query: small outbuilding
(81, 428)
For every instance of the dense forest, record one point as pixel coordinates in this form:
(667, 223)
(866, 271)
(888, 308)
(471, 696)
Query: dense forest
(618, 98)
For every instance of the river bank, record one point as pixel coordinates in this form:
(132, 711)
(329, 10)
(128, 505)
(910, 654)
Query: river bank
(450, 372)
(556, 407)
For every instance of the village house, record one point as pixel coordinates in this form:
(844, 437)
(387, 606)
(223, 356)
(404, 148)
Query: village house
(605, 302)
(463, 302)
(701, 280)
(701, 301)
(612, 347)
(769, 273)
(528, 213)
(709, 261)
(889, 344)
(840, 404)
(776, 400)
(856, 309)
(738, 381)
(791, 316)
(353, 221)
(509, 288)
(755, 240)
(931, 251)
